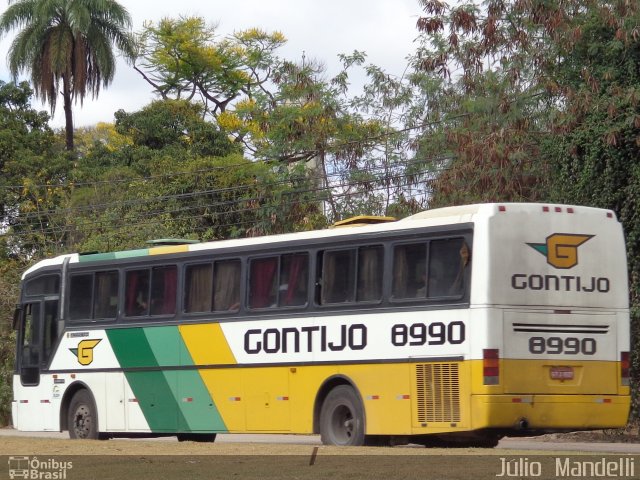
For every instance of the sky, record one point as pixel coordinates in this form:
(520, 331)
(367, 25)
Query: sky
(319, 29)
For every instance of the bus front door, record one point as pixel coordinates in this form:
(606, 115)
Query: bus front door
(29, 344)
(37, 337)
(37, 325)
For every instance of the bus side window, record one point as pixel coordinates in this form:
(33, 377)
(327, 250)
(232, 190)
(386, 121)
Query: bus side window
(409, 271)
(105, 295)
(137, 293)
(30, 337)
(163, 290)
(293, 287)
(81, 287)
(49, 330)
(338, 277)
(198, 285)
(262, 282)
(370, 271)
(226, 286)
(44, 285)
(447, 261)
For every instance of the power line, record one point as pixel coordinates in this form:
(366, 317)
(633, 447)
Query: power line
(304, 153)
(128, 224)
(239, 188)
(317, 198)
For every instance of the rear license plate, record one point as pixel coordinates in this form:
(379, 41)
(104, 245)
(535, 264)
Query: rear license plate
(561, 373)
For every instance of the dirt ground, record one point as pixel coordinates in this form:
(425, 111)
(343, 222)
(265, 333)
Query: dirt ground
(166, 459)
(169, 459)
(50, 446)
(622, 435)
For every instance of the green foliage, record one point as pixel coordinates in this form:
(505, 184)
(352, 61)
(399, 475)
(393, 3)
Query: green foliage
(209, 198)
(25, 140)
(359, 147)
(546, 106)
(31, 167)
(165, 172)
(287, 111)
(596, 150)
(181, 58)
(66, 44)
(179, 123)
(9, 281)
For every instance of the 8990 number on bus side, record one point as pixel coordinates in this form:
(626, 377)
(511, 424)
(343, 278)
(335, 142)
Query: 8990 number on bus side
(436, 333)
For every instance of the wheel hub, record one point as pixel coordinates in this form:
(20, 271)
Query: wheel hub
(82, 422)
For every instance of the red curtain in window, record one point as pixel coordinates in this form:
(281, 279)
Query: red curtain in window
(132, 290)
(295, 268)
(262, 276)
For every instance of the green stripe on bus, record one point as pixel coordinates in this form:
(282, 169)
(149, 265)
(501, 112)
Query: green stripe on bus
(190, 393)
(153, 389)
(98, 257)
(171, 400)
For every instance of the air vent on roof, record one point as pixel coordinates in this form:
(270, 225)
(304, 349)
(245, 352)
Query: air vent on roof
(361, 220)
(171, 241)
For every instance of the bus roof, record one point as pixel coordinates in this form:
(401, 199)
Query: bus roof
(434, 217)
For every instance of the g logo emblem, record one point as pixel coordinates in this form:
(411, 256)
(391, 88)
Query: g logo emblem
(561, 249)
(84, 352)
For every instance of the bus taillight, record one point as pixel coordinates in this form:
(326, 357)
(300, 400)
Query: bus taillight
(625, 367)
(491, 366)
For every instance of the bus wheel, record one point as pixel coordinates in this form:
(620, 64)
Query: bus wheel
(82, 417)
(197, 437)
(342, 418)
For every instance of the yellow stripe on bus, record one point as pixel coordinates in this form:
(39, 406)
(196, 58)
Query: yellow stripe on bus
(168, 249)
(207, 345)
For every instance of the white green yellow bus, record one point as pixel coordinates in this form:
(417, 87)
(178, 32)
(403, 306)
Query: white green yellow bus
(461, 324)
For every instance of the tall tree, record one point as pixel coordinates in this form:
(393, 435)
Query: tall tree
(182, 59)
(68, 43)
(547, 97)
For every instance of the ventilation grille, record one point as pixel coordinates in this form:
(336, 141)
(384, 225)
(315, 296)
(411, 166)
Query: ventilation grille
(438, 392)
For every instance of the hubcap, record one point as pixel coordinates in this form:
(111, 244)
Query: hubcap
(343, 425)
(82, 422)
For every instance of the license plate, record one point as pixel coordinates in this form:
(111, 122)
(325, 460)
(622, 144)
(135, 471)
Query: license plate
(561, 373)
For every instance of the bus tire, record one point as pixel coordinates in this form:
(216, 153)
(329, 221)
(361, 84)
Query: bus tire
(342, 418)
(82, 417)
(197, 437)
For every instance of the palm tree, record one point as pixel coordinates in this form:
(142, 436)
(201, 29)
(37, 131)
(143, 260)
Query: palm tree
(68, 42)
